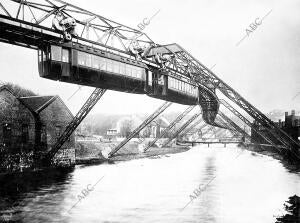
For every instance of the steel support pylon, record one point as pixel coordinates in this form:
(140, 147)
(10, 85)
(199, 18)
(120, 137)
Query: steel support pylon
(83, 112)
(170, 126)
(140, 127)
(185, 125)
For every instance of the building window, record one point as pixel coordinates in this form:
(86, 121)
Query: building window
(7, 133)
(57, 131)
(43, 134)
(25, 133)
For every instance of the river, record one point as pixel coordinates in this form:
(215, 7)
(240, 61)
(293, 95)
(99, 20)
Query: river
(214, 184)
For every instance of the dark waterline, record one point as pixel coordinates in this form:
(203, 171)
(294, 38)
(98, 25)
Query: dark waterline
(234, 185)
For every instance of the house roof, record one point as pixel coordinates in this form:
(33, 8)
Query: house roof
(37, 103)
(4, 87)
(161, 121)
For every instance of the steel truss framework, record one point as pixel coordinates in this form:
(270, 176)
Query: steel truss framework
(170, 126)
(235, 126)
(97, 31)
(184, 62)
(83, 112)
(184, 126)
(154, 115)
(191, 128)
(89, 26)
(280, 148)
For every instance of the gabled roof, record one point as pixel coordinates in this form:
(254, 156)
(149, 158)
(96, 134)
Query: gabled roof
(5, 87)
(161, 121)
(37, 103)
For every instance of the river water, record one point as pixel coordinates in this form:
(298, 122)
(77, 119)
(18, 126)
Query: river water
(234, 185)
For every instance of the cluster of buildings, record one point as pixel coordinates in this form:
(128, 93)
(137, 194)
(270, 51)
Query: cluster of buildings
(153, 130)
(30, 126)
(290, 124)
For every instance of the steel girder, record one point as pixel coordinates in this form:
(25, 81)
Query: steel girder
(185, 125)
(189, 129)
(162, 108)
(237, 128)
(82, 113)
(171, 125)
(247, 122)
(89, 26)
(184, 62)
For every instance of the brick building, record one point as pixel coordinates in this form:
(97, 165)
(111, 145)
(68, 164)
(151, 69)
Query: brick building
(290, 125)
(31, 125)
(158, 126)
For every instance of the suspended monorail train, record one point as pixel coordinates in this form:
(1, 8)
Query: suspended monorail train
(84, 65)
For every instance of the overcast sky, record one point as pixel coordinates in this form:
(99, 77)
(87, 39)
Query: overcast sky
(264, 67)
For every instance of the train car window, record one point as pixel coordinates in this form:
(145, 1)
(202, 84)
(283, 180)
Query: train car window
(122, 69)
(134, 72)
(102, 62)
(116, 67)
(44, 56)
(65, 55)
(170, 82)
(109, 65)
(88, 60)
(95, 62)
(56, 53)
(195, 91)
(139, 73)
(128, 70)
(40, 58)
(143, 73)
(149, 78)
(81, 58)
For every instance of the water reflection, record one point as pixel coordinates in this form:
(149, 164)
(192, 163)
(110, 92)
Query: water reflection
(244, 187)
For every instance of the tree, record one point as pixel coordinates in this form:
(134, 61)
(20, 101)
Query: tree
(126, 127)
